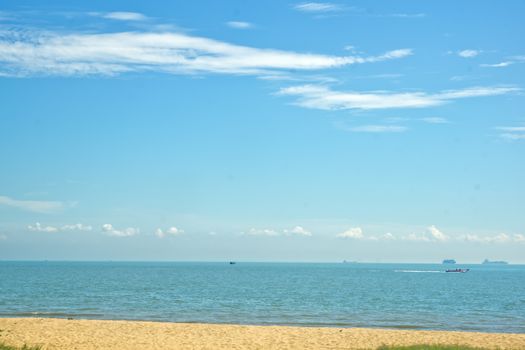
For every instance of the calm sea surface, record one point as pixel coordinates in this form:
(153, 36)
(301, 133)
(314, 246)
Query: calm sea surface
(407, 296)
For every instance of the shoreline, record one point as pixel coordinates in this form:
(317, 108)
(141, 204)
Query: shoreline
(84, 334)
(77, 317)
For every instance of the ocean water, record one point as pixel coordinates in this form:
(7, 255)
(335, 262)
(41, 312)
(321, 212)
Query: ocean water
(405, 296)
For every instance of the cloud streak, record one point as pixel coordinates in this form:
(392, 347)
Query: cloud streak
(78, 54)
(512, 133)
(120, 16)
(322, 97)
(239, 25)
(318, 7)
(468, 53)
(37, 227)
(294, 231)
(44, 207)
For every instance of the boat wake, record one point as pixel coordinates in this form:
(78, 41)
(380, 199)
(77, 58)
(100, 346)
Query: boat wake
(418, 271)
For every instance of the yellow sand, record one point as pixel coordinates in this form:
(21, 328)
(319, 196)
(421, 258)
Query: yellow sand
(94, 334)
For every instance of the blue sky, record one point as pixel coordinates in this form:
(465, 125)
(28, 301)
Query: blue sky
(262, 131)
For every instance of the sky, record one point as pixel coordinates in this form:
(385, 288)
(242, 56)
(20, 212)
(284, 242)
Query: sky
(385, 131)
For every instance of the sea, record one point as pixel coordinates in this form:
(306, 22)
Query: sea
(489, 298)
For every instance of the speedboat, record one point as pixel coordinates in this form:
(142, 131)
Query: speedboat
(458, 270)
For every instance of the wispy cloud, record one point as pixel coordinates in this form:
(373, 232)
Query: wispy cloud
(3, 237)
(318, 7)
(172, 231)
(468, 53)
(509, 61)
(37, 227)
(435, 120)
(76, 227)
(45, 207)
(127, 232)
(499, 238)
(497, 65)
(239, 25)
(322, 97)
(121, 16)
(294, 231)
(261, 232)
(512, 133)
(52, 53)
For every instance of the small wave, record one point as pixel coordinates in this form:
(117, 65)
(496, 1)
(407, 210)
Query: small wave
(417, 271)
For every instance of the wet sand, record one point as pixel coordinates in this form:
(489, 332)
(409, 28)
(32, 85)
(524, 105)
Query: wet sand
(95, 334)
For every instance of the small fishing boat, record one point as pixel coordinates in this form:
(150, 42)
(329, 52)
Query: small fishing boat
(232, 262)
(458, 270)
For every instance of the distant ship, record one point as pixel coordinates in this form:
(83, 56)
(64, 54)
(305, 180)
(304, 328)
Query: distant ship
(500, 262)
(449, 261)
(232, 262)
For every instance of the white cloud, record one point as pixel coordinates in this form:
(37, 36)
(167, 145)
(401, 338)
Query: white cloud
(39, 228)
(52, 53)
(518, 237)
(512, 128)
(432, 234)
(127, 232)
(512, 137)
(378, 128)
(239, 25)
(172, 231)
(294, 231)
(76, 227)
(298, 230)
(124, 16)
(498, 238)
(353, 232)
(512, 133)
(497, 65)
(468, 53)
(45, 207)
(322, 97)
(387, 236)
(437, 234)
(317, 7)
(435, 120)
(3, 237)
(262, 232)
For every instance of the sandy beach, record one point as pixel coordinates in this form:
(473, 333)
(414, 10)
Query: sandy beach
(96, 334)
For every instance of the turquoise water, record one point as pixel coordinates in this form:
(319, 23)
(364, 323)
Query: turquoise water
(407, 296)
